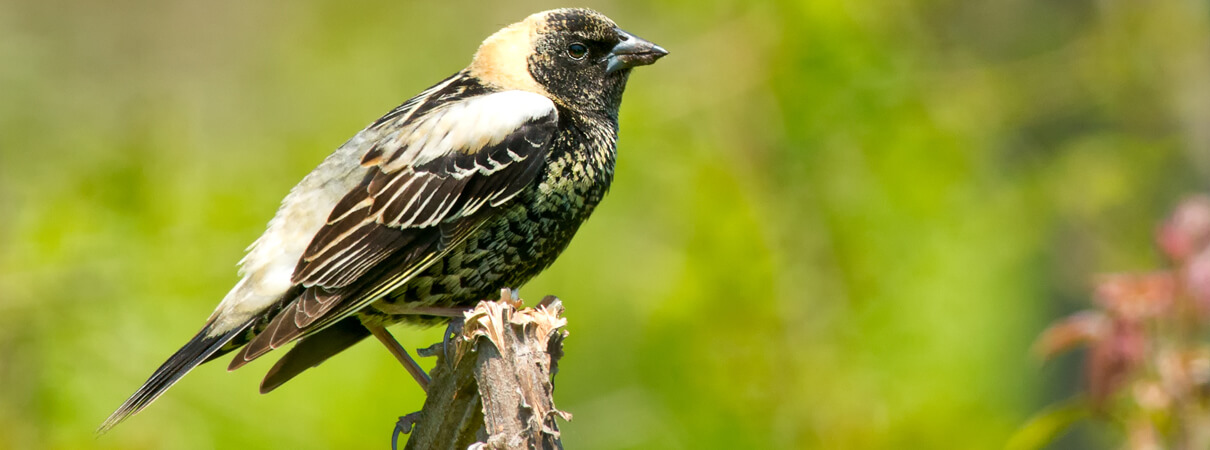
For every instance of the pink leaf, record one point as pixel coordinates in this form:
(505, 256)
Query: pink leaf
(1188, 230)
(1135, 297)
(1082, 328)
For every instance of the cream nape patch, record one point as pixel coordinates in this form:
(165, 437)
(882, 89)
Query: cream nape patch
(502, 60)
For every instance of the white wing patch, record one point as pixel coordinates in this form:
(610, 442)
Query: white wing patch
(464, 127)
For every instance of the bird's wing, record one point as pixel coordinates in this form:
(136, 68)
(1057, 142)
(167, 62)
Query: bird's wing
(434, 177)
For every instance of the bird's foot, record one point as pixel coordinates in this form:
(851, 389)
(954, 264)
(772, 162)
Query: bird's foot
(405, 425)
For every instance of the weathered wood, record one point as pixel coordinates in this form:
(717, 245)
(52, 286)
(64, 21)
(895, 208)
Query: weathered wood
(452, 415)
(492, 386)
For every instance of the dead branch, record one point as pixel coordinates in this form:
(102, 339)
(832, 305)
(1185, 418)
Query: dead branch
(492, 386)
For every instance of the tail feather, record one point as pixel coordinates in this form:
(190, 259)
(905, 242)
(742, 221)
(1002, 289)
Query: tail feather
(312, 350)
(198, 350)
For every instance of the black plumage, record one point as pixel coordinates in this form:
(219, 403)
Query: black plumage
(474, 185)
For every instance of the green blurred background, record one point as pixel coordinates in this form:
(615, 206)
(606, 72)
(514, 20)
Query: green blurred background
(834, 224)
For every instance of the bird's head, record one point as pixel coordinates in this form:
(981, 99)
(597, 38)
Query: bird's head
(577, 57)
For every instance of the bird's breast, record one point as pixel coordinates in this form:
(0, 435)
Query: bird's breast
(525, 236)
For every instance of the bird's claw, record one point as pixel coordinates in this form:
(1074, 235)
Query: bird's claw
(404, 425)
(451, 332)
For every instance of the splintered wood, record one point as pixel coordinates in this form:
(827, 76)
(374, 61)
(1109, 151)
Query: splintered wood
(492, 384)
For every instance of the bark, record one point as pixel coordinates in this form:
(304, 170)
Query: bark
(492, 386)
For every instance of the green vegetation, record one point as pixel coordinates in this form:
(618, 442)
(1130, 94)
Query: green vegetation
(834, 224)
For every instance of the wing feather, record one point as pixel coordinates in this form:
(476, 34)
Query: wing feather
(424, 194)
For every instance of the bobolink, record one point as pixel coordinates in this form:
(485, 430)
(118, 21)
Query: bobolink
(477, 183)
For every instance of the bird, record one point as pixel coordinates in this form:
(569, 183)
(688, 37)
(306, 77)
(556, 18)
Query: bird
(474, 185)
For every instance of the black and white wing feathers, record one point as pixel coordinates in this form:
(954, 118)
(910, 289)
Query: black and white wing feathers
(437, 172)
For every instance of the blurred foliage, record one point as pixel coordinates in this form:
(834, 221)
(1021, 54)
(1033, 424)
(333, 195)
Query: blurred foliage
(834, 224)
(1147, 366)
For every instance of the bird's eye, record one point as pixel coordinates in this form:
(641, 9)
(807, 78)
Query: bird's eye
(577, 51)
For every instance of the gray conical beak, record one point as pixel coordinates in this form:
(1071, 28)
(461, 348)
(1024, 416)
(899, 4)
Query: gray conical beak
(633, 51)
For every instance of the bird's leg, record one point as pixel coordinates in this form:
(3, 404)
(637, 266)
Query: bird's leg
(451, 331)
(401, 354)
(507, 295)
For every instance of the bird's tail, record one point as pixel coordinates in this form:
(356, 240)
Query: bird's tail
(308, 352)
(199, 349)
